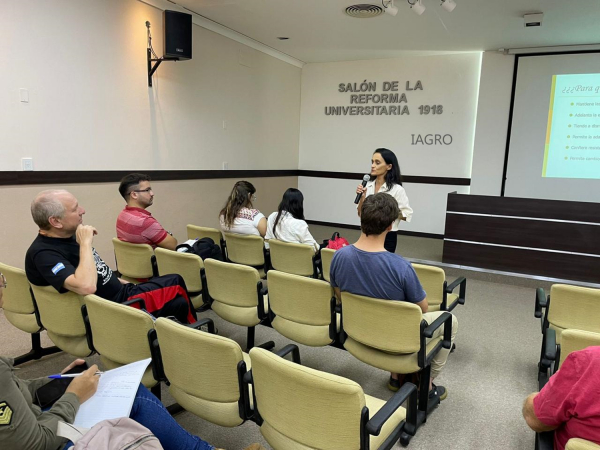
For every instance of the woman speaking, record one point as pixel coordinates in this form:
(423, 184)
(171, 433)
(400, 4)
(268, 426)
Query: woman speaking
(385, 177)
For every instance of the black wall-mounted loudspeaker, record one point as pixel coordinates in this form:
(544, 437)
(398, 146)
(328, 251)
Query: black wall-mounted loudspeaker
(178, 34)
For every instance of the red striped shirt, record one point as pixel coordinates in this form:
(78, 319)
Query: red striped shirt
(136, 225)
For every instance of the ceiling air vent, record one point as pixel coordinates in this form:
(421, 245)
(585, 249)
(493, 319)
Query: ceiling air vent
(364, 11)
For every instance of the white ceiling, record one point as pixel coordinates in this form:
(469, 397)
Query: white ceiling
(320, 31)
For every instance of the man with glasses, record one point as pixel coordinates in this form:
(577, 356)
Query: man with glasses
(135, 224)
(62, 256)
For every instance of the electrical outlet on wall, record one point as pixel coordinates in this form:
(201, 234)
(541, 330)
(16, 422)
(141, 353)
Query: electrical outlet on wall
(225, 165)
(27, 164)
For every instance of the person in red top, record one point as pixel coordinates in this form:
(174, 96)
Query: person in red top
(570, 402)
(135, 224)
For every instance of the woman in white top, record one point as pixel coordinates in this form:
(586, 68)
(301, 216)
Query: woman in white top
(288, 224)
(386, 177)
(238, 215)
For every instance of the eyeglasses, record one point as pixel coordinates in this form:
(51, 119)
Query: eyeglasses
(143, 190)
(3, 280)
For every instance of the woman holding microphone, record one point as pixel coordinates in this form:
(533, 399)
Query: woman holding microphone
(385, 177)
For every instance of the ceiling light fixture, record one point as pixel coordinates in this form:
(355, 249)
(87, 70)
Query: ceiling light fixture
(389, 7)
(448, 5)
(416, 6)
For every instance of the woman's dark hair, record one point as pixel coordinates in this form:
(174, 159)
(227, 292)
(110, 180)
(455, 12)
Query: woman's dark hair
(238, 199)
(393, 176)
(293, 203)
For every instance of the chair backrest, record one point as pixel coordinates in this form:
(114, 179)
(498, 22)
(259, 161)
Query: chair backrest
(326, 257)
(245, 249)
(302, 306)
(581, 444)
(388, 325)
(60, 315)
(133, 260)
(303, 407)
(292, 258)
(196, 232)
(574, 307)
(187, 265)
(18, 304)
(120, 333)
(202, 371)
(233, 288)
(574, 340)
(432, 279)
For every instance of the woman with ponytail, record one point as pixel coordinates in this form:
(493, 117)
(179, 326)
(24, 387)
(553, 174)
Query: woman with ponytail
(238, 215)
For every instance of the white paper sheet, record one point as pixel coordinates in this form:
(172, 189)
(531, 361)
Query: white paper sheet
(115, 395)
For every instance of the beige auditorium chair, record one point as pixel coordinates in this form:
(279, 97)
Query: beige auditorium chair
(440, 295)
(326, 257)
(567, 307)
(581, 444)
(302, 309)
(196, 232)
(248, 250)
(237, 295)
(204, 372)
(298, 259)
(191, 269)
(20, 311)
(135, 262)
(393, 336)
(60, 314)
(302, 408)
(119, 334)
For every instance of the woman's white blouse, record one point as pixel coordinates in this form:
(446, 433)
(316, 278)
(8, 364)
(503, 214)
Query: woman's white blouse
(289, 229)
(399, 194)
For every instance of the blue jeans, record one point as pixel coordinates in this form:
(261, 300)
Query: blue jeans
(148, 411)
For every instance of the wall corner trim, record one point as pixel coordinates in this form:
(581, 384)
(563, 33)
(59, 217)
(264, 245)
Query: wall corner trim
(216, 27)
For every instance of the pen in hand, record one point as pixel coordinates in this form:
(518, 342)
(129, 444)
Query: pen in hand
(69, 375)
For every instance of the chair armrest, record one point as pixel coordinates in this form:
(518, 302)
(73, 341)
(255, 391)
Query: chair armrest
(247, 378)
(293, 348)
(134, 301)
(540, 302)
(261, 291)
(202, 322)
(88, 328)
(462, 293)
(408, 391)
(545, 440)
(333, 320)
(444, 319)
(158, 371)
(550, 348)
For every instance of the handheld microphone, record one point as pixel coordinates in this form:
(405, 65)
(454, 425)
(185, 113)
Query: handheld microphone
(364, 183)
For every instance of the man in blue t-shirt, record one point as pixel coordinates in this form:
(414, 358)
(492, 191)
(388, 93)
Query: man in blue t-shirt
(367, 269)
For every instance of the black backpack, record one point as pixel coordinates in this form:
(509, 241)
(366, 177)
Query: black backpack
(204, 248)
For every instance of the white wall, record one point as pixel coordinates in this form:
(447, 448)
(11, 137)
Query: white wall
(345, 143)
(84, 64)
(491, 131)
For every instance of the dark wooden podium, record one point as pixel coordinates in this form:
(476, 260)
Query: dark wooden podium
(550, 238)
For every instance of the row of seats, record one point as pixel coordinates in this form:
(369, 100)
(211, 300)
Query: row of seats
(569, 322)
(139, 261)
(301, 308)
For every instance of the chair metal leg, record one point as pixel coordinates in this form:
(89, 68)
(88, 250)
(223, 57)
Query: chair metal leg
(37, 351)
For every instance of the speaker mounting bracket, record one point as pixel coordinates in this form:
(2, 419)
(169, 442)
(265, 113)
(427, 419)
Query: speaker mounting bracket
(157, 61)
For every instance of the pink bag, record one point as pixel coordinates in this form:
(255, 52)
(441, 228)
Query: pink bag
(336, 242)
(118, 434)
